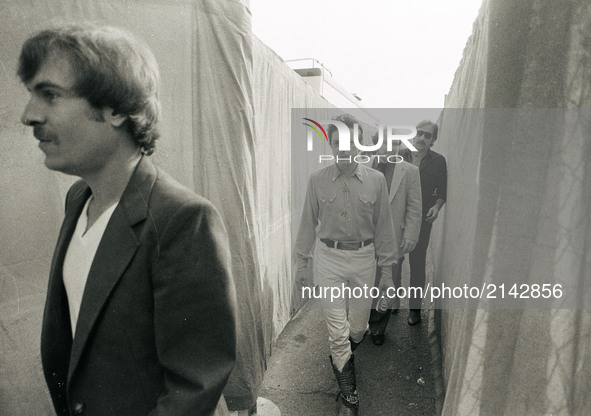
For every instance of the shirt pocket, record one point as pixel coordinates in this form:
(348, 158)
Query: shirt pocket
(367, 203)
(327, 205)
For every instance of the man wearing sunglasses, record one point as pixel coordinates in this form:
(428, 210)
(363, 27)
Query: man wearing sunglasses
(433, 173)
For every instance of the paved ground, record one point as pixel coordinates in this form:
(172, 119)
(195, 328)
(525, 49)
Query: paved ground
(397, 378)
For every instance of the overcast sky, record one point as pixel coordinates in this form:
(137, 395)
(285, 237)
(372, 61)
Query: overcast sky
(392, 53)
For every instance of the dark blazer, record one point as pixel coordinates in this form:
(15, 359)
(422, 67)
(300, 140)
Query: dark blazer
(156, 329)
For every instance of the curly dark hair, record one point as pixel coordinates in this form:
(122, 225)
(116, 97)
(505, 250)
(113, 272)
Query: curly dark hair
(113, 69)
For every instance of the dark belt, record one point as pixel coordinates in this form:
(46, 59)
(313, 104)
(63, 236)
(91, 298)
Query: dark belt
(346, 245)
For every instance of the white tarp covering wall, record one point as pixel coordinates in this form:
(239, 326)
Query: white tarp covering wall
(518, 208)
(278, 89)
(226, 133)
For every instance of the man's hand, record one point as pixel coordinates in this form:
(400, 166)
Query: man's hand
(407, 246)
(303, 276)
(432, 214)
(386, 280)
(434, 210)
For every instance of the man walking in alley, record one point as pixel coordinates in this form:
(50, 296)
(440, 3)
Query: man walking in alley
(433, 173)
(348, 202)
(140, 310)
(404, 189)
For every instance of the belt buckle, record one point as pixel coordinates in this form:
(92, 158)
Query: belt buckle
(348, 246)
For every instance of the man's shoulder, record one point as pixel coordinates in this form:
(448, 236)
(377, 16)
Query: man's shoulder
(409, 168)
(168, 191)
(171, 204)
(366, 169)
(435, 155)
(323, 172)
(152, 190)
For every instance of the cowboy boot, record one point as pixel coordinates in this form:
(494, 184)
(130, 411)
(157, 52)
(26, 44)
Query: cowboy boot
(349, 405)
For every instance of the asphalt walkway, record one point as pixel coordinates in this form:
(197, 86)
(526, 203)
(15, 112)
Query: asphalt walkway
(401, 377)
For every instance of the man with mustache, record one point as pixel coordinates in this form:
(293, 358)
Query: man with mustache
(140, 311)
(433, 174)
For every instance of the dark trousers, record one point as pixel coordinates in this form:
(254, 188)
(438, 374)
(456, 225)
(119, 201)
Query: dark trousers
(417, 260)
(378, 321)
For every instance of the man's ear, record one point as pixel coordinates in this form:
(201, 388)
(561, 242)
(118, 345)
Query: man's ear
(115, 120)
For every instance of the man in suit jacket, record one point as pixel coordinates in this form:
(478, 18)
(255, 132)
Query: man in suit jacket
(404, 190)
(140, 310)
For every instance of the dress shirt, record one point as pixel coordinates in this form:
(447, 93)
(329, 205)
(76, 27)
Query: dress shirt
(347, 209)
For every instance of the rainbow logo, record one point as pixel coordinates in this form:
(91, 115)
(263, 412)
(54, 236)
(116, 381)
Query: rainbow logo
(316, 130)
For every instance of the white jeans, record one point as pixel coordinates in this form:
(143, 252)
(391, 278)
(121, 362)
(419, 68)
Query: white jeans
(354, 268)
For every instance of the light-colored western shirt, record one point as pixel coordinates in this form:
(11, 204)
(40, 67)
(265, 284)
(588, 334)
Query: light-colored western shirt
(349, 209)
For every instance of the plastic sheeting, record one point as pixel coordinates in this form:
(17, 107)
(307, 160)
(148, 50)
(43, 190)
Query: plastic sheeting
(518, 207)
(277, 90)
(225, 134)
